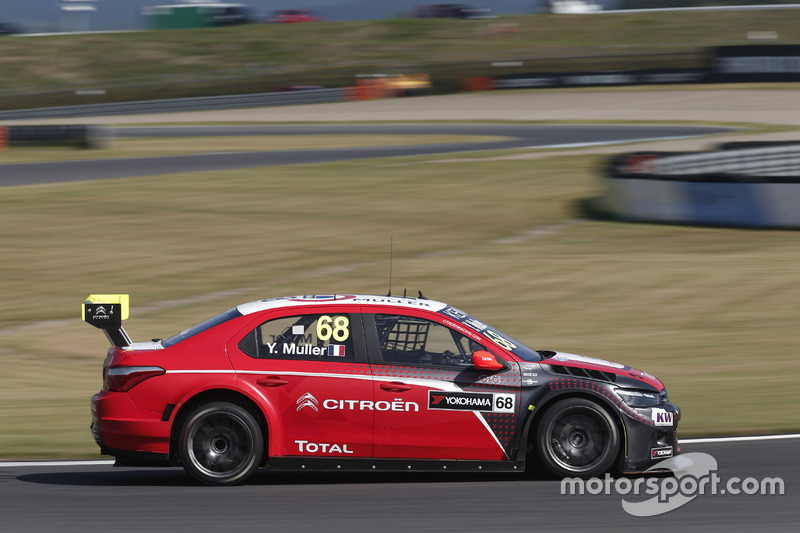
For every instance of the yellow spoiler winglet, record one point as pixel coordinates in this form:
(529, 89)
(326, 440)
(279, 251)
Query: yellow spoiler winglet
(106, 312)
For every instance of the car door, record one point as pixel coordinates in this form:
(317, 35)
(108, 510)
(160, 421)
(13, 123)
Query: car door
(309, 366)
(430, 400)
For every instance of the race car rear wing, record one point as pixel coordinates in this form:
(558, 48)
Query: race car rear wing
(106, 312)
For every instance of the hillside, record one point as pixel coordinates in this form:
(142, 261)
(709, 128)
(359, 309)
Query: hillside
(160, 64)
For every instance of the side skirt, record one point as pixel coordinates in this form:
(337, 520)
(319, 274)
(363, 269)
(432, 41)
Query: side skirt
(337, 464)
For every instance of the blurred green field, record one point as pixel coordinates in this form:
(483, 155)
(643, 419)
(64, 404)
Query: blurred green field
(63, 59)
(48, 70)
(712, 312)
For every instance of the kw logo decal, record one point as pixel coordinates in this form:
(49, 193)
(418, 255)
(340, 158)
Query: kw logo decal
(662, 417)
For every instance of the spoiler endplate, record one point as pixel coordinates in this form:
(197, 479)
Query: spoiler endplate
(106, 312)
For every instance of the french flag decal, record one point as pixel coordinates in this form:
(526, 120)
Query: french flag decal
(336, 350)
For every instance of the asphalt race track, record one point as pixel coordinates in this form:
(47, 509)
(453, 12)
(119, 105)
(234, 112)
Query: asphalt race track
(521, 136)
(80, 498)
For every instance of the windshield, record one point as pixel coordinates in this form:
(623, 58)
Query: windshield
(201, 327)
(498, 337)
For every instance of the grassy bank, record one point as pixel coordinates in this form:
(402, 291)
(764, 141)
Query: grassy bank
(164, 64)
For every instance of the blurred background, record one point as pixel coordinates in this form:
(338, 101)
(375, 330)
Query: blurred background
(106, 15)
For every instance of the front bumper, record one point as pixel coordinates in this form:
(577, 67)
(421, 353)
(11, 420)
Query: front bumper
(650, 437)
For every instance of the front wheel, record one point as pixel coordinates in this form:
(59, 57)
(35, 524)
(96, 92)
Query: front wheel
(577, 438)
(221, 444)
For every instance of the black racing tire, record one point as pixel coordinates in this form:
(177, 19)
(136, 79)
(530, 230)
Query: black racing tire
(220, 443)
(577, 437)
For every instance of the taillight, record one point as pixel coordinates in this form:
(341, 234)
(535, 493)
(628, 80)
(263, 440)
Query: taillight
(124, 378)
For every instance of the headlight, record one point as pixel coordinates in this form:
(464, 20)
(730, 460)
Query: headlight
(638, 398)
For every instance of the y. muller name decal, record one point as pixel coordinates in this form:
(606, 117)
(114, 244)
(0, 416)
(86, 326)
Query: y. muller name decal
(471, 401)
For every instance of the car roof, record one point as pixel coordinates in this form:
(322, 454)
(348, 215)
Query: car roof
(355, 299)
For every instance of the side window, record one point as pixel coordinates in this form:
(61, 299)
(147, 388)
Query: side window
(304, 337)
(409, 340)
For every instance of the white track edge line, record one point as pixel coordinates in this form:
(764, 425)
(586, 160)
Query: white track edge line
(739, 439)
(17, 464)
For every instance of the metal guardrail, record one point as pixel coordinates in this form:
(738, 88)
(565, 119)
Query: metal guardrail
(176, 105)
(781, 160)
(755, 186)
(739, 164)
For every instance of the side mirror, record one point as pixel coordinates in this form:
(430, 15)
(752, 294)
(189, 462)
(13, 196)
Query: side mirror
(484, 360)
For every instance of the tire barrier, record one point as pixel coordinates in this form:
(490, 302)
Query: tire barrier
(755, 185)
(88, 137)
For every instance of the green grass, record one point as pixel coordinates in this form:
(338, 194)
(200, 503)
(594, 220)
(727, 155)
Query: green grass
(712, 312)
(165, 64)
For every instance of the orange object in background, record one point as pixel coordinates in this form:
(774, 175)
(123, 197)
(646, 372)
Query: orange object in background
(372, 86)
(406, 84)
(359, 92)
(370, 89)
(375, 88)
(478, 83)
(3, 138)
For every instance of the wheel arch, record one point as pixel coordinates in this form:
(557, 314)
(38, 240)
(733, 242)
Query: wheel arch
(217, 395)
(550, 399)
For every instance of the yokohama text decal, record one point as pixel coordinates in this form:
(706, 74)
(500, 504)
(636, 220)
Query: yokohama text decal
(471, 401)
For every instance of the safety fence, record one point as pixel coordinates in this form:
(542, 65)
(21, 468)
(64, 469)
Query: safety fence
(742, 184)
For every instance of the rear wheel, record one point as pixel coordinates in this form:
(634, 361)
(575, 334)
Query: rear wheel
(577, 438)
(220, 443)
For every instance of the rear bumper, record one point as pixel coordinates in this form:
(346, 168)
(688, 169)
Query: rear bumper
(119, 427)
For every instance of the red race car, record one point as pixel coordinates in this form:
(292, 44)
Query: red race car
(347, 382)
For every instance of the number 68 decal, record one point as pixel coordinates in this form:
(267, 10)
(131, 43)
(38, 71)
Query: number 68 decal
(503, 403)
(500, 341)
(336, 327)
